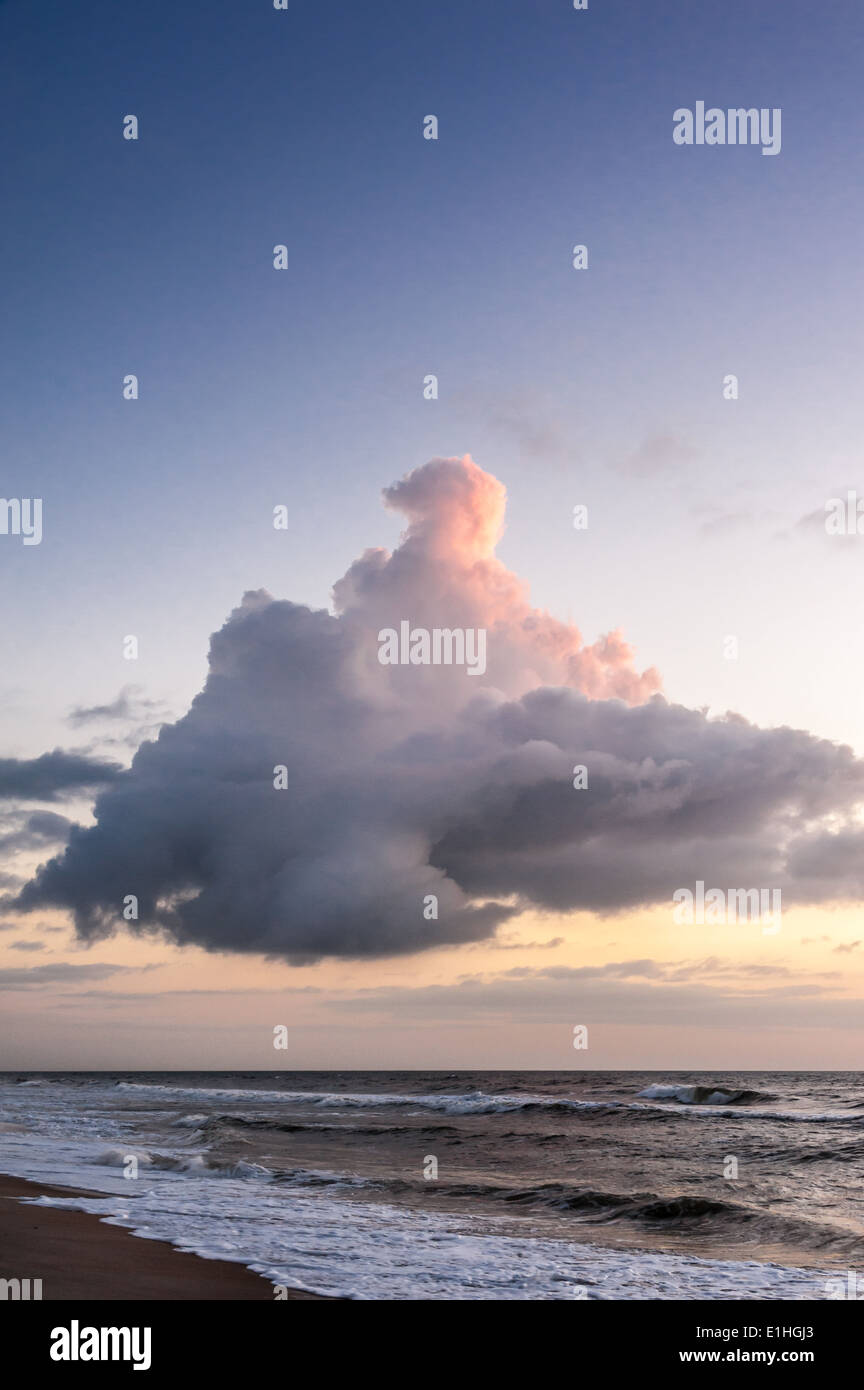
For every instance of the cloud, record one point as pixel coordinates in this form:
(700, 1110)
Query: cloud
(698, 970)
(27, 945)
(812, 521)
(53, 775)
(604, 998)
(405, 781)
(721, 520)
(446, 573)
(673, 797)
(34, 831)
(550, 945)
(821, 523)
(37, 926)
(657, 454)
(530, 420)
(17, 977)
(128, 705)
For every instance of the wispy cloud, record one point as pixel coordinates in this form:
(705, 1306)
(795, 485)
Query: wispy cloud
(35, 976)
(129, 706)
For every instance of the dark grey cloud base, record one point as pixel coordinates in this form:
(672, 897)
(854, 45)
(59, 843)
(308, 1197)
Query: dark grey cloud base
(479, 809)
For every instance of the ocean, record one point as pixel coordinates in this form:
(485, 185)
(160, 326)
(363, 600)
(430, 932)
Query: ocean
(468, 1185)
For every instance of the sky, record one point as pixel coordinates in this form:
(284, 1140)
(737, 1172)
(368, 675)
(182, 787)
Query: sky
(303, 389)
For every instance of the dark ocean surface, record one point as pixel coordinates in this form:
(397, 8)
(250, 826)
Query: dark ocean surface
(482, 1185)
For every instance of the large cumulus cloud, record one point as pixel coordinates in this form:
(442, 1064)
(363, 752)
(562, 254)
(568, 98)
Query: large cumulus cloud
(405, 781)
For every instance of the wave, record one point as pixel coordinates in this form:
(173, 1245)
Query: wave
(850, 1152)
(195, 1164)
(659, 1103)
(656, 1102)
(273, 1126)
(473, 1103)
(679, 1213)
(704, 1095)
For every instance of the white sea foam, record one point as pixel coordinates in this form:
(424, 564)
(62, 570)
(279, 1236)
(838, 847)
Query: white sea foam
(370, 1251)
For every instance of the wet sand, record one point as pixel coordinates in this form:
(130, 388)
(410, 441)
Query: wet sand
(78, 1256)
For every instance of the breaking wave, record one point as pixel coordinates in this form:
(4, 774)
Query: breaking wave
(195, 1164)
(704, 1095)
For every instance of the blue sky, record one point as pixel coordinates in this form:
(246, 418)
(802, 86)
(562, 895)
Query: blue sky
(407, 257)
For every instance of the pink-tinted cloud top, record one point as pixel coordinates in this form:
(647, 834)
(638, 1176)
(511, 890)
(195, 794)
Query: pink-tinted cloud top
(445, 574)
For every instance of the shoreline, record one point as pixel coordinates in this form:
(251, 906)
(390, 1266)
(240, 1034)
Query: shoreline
(79, 1257)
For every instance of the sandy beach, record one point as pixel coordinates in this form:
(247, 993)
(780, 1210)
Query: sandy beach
(78, 1256)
